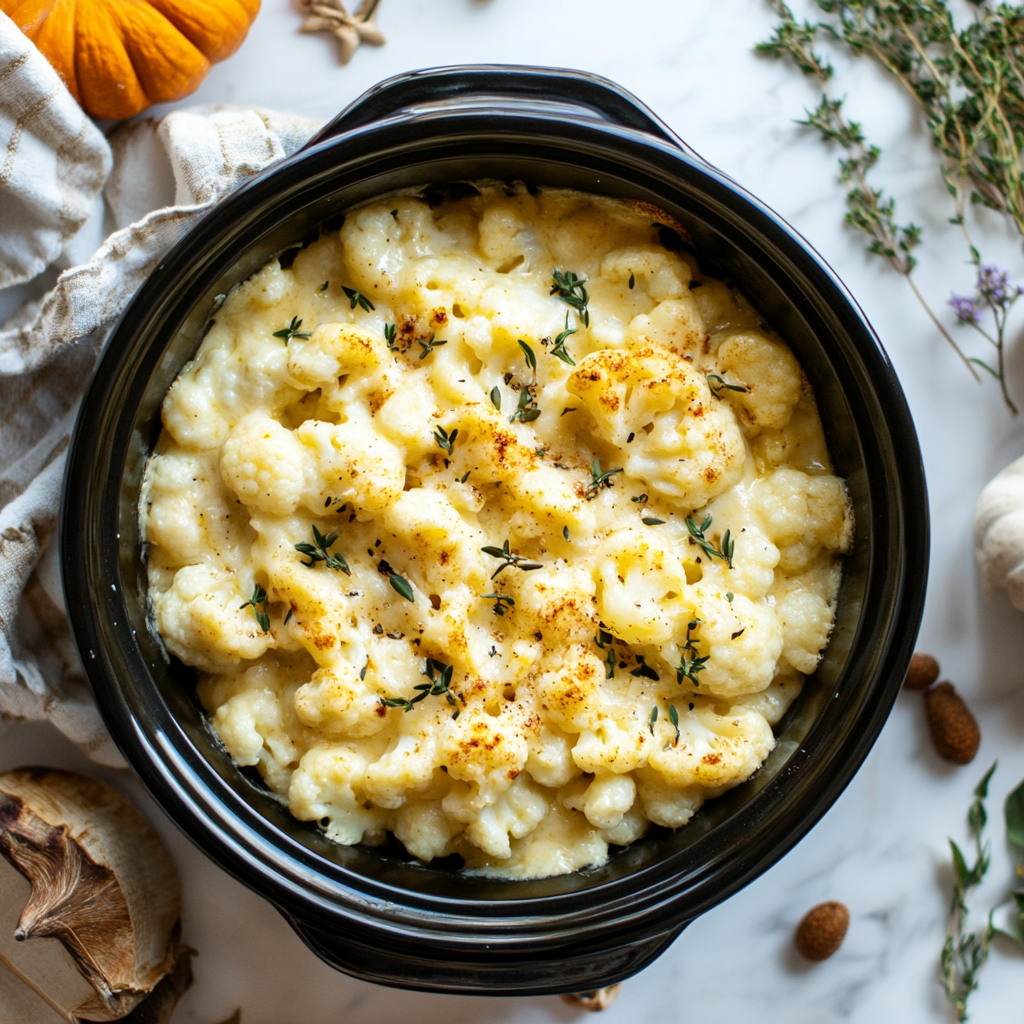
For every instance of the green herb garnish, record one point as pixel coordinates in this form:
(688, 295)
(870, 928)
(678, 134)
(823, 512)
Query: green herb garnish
(258, 603)
(599, 480)
(526, 409)
(291, 331)
(698, 534)
(651, 521)
(429, 345)
(558, 349)
(689, 667)
(402, 586)
(673, 717)
(440, 676)
(643, 669)
(653, 718)
(496, 397)
(500, 602)
(528, 353)
(357, 298)
(719, 384)
(318, 551)
(509, 559)
(389, 335)
(571, 289)
(604, 641)
(445, 440)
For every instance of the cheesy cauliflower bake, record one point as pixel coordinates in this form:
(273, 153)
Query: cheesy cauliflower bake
(495, 525)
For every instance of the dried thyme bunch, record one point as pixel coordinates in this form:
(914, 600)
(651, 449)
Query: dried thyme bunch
(965, 953)
(969, 84)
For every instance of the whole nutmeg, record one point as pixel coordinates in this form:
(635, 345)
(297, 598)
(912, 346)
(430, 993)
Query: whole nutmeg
(923, 671)
(954, 730)
(822, 930)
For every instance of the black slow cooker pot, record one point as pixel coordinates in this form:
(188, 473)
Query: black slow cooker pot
(376, 913)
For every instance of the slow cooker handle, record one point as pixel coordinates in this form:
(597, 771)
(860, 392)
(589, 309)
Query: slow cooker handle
(483, 86)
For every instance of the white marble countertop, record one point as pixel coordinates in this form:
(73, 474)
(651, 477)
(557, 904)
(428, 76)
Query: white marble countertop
(882, 848)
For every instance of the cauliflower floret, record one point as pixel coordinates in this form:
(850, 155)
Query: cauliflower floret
(484, 748)
(685, 446)
(614, 745)
(806, 620)
(675, 324)
(353, 463)
(338, 703)
(202, 621)
(743, 639)
(328, 784)
(407, 766)
(333, 350)
(264, 464)
(664, 803)
(662, 274)
(425, 830)
(713, 751)
(515, 814)
(571, 694)
(550, 760)
(557, 600)
(641, 598)
(770, 373)
(608, 799)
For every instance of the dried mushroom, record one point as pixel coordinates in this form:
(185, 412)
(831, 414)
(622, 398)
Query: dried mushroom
(102, 884)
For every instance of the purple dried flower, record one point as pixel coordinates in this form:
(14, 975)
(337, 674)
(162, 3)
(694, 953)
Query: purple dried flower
(994, 286)
(966, 311)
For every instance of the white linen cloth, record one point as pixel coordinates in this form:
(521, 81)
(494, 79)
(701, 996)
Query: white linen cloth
(63, 186)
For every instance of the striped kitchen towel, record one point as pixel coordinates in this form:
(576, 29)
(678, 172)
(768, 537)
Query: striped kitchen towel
(63, 187)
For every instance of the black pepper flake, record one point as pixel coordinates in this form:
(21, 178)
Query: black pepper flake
(384, 568)
(378, 630)
(629, 440)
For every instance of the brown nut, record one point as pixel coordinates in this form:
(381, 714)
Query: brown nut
(923, 671)
(599, 999)
(822, 930)
(954, 730)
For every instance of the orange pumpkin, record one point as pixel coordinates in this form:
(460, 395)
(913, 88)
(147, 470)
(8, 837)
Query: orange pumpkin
(118, 57)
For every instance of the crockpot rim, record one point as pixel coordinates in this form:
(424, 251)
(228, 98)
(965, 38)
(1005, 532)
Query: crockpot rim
(131, 735)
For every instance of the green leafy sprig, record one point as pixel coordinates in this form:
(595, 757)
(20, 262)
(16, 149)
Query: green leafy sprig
(718, 384)
(599, 479)
(509, 559)
(429, 345)
(445, 440)
(572, 290)
(558, 349)
(291, 331)
(502, 603)
(690, 663)
(258, 603)
(968, 82)
(357, 298)
(699, 535)
(643, 670)
(440, 680)
(526, 409)
(319, 551)
(389, 335)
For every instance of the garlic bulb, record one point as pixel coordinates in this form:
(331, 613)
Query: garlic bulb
(101, 883)
(999, 533)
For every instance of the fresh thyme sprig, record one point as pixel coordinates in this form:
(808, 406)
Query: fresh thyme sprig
(429, 345)
(509, 559)
(318, 551)
(389, 335)
(673, 717)
(967, 82)
(598, 479)
(502, 603)
(558, 348)
(258, 603)
(529, 355)
(698, 533)
(644, 670)
(291, 331)
(690, 667)
(440, 676)
(357, 298)
(964, 953)
(526, 409)
(572, 290)
(718, 384)
(445, 440)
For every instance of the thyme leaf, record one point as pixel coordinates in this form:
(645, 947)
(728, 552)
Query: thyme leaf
(529, 354)
(291, 331)
(698, 533)
(502, 602)
(690, 667)
(402, 586)
(357, 298)
(509, 559)
(258, 603)
(429, 345)
(389, 335)
(719, 384)
(318, 551)
(599, 479)
(558, 348)
(445, 440)
(526, 410)
(571, 289)
(439, 675)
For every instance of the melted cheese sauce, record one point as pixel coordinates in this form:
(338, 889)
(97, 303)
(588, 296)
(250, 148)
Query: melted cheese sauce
(606, 558)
